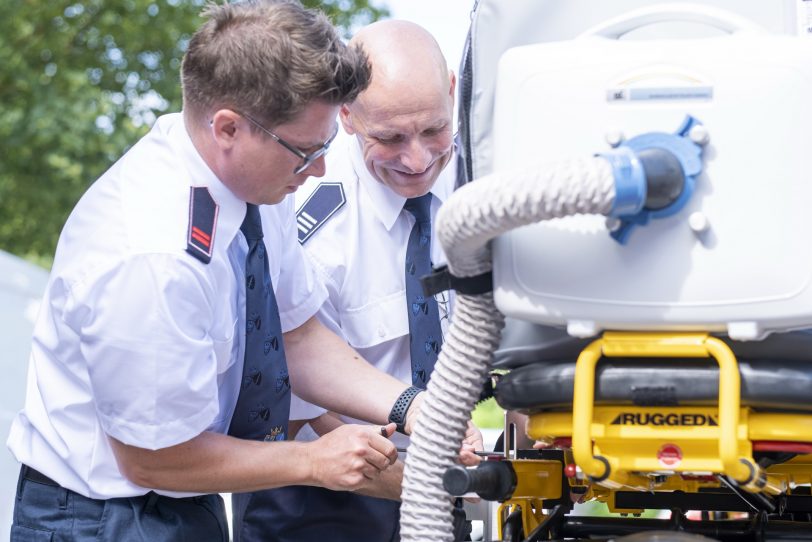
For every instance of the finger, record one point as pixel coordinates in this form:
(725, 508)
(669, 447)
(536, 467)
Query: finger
(476, 441)
(366, 468)
(370, 472)
(469, 449)
(474, 436)
(469, 459)
(378, 460)
(384, 446)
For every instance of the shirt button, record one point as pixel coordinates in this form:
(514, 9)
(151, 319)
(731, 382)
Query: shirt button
(381, 332)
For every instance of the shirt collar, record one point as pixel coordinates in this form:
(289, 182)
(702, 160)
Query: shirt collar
(386, 204)
(232, 209)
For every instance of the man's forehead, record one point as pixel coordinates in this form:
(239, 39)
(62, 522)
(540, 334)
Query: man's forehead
(405, 116)
(406, 124)
(313, 126)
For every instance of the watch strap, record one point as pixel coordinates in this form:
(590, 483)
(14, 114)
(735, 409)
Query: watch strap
(398, 413)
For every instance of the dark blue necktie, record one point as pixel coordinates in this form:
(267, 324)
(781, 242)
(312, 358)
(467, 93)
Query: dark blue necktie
(425, 337)
(263, 405)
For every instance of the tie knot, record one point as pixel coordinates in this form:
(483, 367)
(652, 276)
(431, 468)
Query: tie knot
(252, 224)
(420, 208)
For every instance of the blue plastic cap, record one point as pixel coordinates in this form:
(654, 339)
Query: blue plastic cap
(630, 181)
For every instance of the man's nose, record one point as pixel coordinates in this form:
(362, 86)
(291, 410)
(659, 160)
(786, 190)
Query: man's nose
(317, 168)
(417, 157)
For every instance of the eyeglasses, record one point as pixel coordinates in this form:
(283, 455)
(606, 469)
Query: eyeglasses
(307, 158)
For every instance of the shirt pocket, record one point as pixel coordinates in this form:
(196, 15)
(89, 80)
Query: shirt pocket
(225, 347)
(383, 320)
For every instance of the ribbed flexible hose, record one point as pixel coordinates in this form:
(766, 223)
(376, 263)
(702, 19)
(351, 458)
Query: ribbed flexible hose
(473, 215)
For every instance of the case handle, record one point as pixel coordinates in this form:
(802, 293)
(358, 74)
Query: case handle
(664, 13)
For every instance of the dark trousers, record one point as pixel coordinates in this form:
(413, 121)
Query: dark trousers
(313, 514)
(47, 512)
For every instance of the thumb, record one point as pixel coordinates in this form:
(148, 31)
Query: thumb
(388, 430)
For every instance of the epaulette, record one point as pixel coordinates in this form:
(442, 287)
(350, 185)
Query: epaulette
(323, 203)
(202, 223)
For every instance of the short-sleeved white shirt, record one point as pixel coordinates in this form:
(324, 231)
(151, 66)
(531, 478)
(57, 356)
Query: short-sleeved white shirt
(360, 254)
(136, 338)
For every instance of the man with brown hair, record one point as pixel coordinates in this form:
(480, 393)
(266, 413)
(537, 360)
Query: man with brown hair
(159, 371)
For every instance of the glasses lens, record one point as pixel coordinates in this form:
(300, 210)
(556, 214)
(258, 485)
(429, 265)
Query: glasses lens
(312, 157)
(303, 166)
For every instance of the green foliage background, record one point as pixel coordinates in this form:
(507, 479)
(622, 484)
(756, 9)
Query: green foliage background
(80, 81)
(488, 415)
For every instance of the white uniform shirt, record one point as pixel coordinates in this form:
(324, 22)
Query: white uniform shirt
(360, 253)
(135, 337)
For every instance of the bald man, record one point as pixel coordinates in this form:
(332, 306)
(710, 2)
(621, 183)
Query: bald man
(357, 224)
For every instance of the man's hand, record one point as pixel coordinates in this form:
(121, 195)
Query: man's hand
(472, 442)
(350, 456)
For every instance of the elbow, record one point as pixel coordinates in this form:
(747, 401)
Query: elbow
(136, 465)
(139, 475)
(301, 335)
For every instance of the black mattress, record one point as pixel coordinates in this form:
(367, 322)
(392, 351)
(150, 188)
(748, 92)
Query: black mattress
(766, 384)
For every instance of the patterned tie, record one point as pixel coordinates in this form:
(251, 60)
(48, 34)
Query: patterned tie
(263, 405)
(425, 337)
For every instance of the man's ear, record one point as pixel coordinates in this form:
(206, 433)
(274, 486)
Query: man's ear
(227, 126)
(346, 119)
(453, 84)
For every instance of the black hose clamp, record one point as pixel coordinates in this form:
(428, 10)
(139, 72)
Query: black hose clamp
(441, 280)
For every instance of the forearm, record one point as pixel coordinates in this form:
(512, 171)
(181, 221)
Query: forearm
(325, 423)
(324, 370)
(213, 463)
(345, 459)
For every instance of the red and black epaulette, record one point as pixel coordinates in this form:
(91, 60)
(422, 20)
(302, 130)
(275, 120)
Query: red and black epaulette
(202, 223)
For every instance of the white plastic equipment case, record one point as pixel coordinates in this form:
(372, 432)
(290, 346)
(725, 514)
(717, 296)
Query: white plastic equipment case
(738, 257)
(497, 25)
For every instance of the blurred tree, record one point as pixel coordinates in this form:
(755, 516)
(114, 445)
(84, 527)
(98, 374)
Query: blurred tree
(80, 81)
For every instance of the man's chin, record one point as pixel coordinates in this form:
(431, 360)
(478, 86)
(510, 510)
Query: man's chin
(411, 186)
(414, 191)
(278, 198)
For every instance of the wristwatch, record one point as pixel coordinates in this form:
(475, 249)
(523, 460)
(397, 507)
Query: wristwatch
(398, 413)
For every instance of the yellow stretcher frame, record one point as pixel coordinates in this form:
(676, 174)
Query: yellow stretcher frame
(612, 457)
(733, 452)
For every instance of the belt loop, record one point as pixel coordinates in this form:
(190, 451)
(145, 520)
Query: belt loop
(20, 482)
(152, 500)
(63, 498)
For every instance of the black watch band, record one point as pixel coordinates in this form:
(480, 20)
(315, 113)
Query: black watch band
(398, 413)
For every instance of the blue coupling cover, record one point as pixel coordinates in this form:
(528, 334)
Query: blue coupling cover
(629, 206)
(630, 181)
